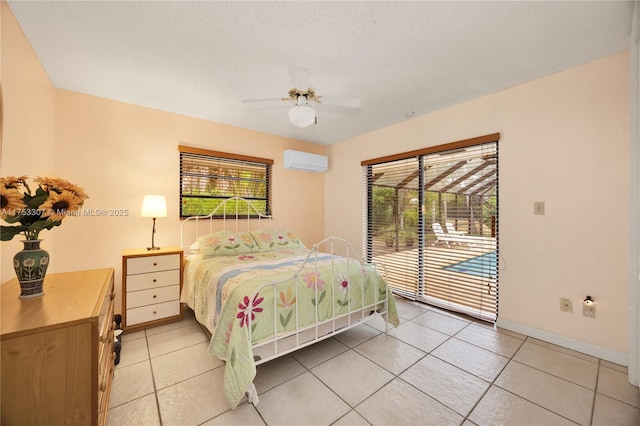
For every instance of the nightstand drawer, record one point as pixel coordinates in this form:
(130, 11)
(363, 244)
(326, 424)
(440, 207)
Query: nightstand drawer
(153, 280)
(153, 312)
(135, 299)
(141, 265)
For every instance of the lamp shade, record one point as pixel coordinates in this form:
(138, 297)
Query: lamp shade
(154, 206)
(302, 115)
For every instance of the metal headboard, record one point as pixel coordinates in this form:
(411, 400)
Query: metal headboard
(253, 219)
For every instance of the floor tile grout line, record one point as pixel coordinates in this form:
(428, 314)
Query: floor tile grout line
(341, 398)
(153, 380)
(534, 340)
(189, 378)
(522, 397)
(556, 376)
(618, 400)
(353, 348)
(429, 353)
(149, 361)
(175, 350)
(491, 384)
(158, 356)
(511, 358)
(397, 376)
(170, 327)
(595, 395)
(306, 370)
(535, 403)
(489, 350)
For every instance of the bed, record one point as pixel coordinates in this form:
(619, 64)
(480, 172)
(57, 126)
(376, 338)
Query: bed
(262, 294)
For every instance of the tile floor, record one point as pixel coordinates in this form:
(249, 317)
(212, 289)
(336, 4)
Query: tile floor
(435, 369)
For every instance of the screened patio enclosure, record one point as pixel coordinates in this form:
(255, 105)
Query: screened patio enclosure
(432, 221)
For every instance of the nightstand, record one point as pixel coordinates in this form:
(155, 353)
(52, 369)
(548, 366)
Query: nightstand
(151, 285)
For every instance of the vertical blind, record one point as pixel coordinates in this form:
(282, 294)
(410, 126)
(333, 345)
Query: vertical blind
(431, 219)
(209, 177)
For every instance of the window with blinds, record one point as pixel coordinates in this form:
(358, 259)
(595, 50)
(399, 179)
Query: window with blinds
(209, 177)
(432, 220)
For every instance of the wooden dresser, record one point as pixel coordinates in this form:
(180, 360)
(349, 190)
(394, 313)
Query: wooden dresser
(151, 285)
(57, 350)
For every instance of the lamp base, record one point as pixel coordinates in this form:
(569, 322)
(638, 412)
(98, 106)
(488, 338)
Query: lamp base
(153, 248)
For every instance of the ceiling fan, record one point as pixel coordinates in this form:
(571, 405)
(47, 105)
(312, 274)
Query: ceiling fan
(302, 97)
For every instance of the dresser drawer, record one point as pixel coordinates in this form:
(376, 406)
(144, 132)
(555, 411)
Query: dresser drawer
(105, 378)
(153, 312)
(135, 299)
(107, 327)
(153, 280)
(105, 363)
(105, 319)
(141, 265)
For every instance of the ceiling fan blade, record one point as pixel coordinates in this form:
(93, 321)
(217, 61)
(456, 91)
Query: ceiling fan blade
(340, 101)
(337, 109)
(263, 100)
(253, 104)
(299, 78)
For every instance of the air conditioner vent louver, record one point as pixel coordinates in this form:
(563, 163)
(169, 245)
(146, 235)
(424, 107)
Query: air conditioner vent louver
(298, 160)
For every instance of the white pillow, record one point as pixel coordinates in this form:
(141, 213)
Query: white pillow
(194, 248)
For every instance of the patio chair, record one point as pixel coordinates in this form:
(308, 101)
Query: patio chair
(451, 230)
(447, 239)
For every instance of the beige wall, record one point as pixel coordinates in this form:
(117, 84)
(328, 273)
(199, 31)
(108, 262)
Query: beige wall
(29, 119)
(118, 153)
(565, 141)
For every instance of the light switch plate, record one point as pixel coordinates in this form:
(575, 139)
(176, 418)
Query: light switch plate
(538, 207)
(566, 305)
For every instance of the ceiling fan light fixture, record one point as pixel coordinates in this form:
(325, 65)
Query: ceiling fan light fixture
(302, 115)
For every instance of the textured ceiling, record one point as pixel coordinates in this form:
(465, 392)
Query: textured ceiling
(202, 58)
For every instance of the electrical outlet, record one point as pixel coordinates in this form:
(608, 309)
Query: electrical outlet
(566, 305)
(538, 208)
(589, 310)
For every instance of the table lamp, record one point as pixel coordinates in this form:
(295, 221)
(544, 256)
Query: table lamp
(154, 206)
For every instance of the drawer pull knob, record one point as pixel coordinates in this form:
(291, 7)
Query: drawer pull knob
(155, 264)
(154, 312)
(154, 296)
(154, 280)
(103, 385)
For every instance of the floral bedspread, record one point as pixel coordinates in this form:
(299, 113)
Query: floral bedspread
(223, 292)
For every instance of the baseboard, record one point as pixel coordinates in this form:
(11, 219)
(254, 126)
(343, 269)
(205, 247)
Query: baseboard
(566, 342)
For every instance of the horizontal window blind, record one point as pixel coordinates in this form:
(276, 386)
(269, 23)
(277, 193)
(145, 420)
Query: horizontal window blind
(209, 177)
(393, 221)
(460, 194)
(432, 220)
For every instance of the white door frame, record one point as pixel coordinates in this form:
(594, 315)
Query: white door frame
(634, 194)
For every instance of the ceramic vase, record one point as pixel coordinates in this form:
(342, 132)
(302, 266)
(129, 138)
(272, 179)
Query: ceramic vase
(30, 265)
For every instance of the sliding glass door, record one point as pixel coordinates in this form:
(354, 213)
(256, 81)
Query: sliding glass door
(432, 221)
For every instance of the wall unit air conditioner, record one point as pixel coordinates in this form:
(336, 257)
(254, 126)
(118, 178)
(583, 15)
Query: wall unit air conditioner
(298, 160)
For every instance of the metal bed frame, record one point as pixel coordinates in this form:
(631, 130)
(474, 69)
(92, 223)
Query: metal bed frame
(339, 250)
